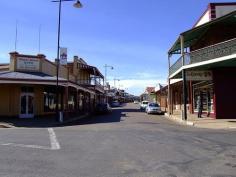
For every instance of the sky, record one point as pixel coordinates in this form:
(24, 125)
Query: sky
(133, 36)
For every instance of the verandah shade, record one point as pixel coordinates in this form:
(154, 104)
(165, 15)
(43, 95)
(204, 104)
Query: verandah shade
(192, 35)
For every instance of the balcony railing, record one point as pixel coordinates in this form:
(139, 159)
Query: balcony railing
(178, 63)
(214, 51)
(91, 82)
(207, 53)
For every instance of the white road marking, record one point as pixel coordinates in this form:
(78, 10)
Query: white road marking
(27, 146)
(53, 139)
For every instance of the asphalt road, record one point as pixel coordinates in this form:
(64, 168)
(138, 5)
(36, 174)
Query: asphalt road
(126, 143)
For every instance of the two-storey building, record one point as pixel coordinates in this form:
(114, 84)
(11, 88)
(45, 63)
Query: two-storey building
(203, 62)
(28, 87)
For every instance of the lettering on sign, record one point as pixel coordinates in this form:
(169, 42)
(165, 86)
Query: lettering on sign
(28, 64)
(199, 75)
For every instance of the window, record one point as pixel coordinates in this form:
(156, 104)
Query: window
(71, 102)
(49, 102)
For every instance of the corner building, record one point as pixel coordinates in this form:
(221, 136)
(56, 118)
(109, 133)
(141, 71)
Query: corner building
(28, 87)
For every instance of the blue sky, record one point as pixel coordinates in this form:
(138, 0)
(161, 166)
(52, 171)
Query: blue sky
(133, 36)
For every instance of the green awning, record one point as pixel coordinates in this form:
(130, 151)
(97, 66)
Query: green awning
(194, 34)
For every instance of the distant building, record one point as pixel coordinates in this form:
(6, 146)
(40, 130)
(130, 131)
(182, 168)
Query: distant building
(149, 94)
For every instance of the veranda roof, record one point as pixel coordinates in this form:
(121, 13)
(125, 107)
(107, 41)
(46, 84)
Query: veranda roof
(194, 34)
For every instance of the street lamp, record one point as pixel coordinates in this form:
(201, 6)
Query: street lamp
(115, 82)
(77, 4)
(107, 66)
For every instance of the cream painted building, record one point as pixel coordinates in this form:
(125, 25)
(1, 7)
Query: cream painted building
(28, 87)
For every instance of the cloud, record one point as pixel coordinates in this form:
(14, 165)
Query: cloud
(137, 86)
(136, 83)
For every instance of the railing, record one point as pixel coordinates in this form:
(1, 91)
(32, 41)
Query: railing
(84, 82)
(177, 65)
(89, 82)
(207, 53)
(214, 51)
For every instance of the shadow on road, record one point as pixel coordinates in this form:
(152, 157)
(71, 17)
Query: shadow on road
(45, 122)
(115, 116)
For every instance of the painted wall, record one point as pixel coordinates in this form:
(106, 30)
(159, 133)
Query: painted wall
(204, 19)
(225, 95)
(9, 100)
(223, 10)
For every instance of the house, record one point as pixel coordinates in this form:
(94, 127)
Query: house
(149, 94)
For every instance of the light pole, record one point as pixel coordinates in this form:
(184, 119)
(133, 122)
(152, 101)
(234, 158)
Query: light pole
(107, 66)
(77, 4)
(115, 82)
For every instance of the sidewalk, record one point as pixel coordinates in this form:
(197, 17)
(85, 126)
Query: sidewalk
(204, 122)
(37, 122)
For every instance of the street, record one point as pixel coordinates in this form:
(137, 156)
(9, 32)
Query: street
(126, 143)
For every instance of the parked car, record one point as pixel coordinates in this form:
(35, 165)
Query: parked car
(153, 108)
(143, 105)
(136, 101)
(115, 104)
(103, 108)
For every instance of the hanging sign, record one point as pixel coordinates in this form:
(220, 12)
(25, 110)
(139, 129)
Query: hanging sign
(63, 56)
(199, 75)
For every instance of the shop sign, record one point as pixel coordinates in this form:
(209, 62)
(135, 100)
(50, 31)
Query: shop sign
(199, 75)
(63, 56)
(28, 64)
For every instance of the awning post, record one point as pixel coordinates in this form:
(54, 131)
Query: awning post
(184, 115)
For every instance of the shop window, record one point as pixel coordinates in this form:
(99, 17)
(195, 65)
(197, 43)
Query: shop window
(205, 92)
(49, 102)
(71, 102)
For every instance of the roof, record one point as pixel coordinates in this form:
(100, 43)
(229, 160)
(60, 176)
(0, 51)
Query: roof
(150, 89)
(36, 78)
(28, 76)
(92, 69)
(194, 34)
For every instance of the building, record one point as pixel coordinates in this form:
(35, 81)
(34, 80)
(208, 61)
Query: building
(202, 64)
(28, 87)
(149, 95)
(161, 96)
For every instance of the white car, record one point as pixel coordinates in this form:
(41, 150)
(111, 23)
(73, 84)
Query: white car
(153, 108)
(143, 105)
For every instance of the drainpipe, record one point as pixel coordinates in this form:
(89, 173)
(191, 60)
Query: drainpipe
(184, 113)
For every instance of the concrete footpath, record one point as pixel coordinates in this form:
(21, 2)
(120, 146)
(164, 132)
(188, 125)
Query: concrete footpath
(204, 122)
(37, 122)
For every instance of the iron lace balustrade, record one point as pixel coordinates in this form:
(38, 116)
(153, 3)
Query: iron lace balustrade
(178, 64)
(214, 51)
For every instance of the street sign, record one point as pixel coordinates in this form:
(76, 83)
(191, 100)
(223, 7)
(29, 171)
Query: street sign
(199, 75)
(63, 56)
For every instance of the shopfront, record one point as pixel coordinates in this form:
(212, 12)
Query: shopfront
(202, 90)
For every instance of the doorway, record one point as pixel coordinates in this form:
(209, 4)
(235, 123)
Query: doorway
(26, 105)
